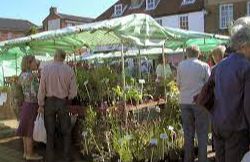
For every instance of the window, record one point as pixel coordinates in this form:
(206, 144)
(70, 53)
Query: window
(54, 24)
(10, 35)
(184, 22)
(159, 21)
(150, 4)
(136, 4)
(118, 10)
(70, 24)
(226, 15)
(248, 8)
(185, 2)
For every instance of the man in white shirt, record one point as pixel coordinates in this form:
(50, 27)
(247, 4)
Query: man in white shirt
(192, 74)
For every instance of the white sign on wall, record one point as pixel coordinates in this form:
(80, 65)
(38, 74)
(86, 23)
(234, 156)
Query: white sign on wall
(54, 24)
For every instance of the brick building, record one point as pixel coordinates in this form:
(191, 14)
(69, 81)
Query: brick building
(185, 14)
(14, 28)
(221, 13)
(56, 20)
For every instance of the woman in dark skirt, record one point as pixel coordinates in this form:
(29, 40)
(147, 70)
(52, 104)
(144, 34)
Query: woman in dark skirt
(30, 85)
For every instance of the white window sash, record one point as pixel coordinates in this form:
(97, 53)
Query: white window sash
(150, 5)
(118, 10)
(248, 8)
(183, 22)
(226, 15)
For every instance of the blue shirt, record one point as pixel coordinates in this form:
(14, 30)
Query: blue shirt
(231, 109)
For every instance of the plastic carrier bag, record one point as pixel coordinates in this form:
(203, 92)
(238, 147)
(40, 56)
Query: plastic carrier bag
(39, 132)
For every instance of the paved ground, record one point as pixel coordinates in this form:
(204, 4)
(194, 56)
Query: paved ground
(11, 151)
(11, 146)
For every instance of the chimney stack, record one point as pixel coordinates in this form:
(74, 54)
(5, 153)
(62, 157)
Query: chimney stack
(53, 10)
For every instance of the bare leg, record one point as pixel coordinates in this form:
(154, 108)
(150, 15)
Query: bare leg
(30, 154)
(24, 147)
(29, 145)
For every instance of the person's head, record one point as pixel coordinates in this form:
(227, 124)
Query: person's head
(241, 41)
(29, 63)
(218, 54)
(60, 55)
(192, 52)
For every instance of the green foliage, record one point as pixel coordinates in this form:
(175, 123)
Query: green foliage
(133, 94)
(131, 140)
(4, 89)
(95, 86)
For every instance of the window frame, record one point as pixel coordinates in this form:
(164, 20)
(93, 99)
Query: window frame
(151, 7)
(188, 2)
(120, 6)
(248, 8)
(10, 35)
(228, 5)
(186, 18)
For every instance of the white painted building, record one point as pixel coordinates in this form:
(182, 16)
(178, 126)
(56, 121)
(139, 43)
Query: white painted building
(184, 14)
(191, 21)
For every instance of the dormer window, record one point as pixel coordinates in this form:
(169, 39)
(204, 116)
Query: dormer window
(186, 2)
(136, 4)
(150, 4)
(118, 10)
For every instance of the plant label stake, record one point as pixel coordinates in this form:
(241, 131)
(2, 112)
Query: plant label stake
(108, 142)
(163, 136)
(142, 82)
(85, 84)
(84, 134)
(153, 143)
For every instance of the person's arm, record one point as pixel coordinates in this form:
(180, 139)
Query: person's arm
(41, 92)
(247, 99)
(207, 73)
(73, 86)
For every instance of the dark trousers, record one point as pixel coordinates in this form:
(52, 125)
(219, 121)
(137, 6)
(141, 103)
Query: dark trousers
(230, 146)
(195, 119)
(57, 110)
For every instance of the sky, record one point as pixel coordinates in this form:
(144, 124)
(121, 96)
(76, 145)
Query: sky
(36, 10)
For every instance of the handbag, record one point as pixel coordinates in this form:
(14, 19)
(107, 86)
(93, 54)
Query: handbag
(39, 132)
(206, 97)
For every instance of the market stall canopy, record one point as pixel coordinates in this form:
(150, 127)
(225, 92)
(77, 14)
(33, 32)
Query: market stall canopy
(185, 38)
(130, 52)
(138, 29)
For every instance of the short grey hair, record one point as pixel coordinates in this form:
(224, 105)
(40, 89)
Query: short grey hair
(192, 51)
(60, 54)
(241, 37)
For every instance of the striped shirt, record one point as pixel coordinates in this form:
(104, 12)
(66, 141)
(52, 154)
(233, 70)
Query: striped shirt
(57, 80)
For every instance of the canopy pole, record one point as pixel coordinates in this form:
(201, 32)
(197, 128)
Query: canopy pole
(183, 52)
(3, 76)
(140, 74)
(164, 69)
(16, 63)
(124, 82)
